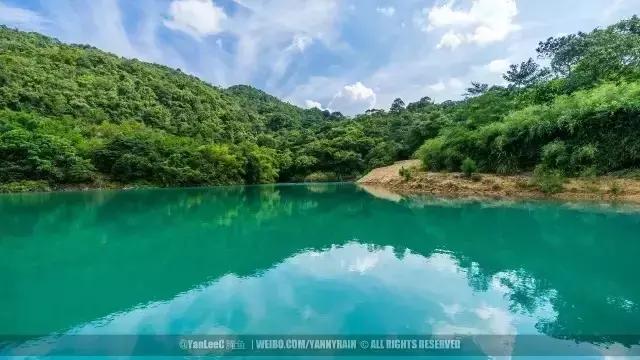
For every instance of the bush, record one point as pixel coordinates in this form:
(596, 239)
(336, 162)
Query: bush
(468, 167)
(25, 155)
(320, 176)
(589, 173)
(406, 174)
(571, 132)
(583, 159)
(24, 186)
(554, 155)
(547, 180)
(615, 189)
(430, 153)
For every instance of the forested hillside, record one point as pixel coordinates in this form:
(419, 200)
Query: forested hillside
(578, 116)
(72, 114)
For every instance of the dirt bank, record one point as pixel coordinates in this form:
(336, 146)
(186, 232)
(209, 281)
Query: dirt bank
(495, 186)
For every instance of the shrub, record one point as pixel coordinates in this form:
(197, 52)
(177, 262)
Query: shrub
(615, 189)
(554, 155)
(430, 153)
(583, 159)
(589, 173)
(547, 180)
(468, 167)
(26, 155)
(507, 166)
(453, 159)
(320, 176)
(24, 186)
(406, 174)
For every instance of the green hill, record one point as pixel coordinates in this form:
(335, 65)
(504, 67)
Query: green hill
(77, 114)
(579, 117)
(73, 114)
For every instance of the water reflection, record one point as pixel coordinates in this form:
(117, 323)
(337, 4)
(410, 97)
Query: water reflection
(351, 289)
(314, 259)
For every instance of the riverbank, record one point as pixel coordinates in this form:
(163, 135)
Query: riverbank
(21, 187)
(386, 182)
(496, 186)
(30, 186)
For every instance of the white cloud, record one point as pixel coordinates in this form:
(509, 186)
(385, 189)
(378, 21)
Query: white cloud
(498, 320)
(270, 34)
(451, 40)
(197, 18)
(443, 16)
(101, 23)
(364, 264)
(438, 87)
(19, 16)
(386, 11)
(420, 20)
(498, 66)
(300, 42)
(486, 21)
(358, 91)
(319, 88)
(354, 98)
(310, 104)
(284, 58)
(452, 85)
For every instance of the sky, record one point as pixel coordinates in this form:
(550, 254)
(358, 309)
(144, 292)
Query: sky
(342, 55)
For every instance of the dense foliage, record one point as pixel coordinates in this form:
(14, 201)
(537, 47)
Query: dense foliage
(579, 116)
(72, 114)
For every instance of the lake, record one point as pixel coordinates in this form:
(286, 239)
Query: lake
(319, 259)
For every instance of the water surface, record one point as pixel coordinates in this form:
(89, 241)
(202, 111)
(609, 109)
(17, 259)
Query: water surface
(317, 259)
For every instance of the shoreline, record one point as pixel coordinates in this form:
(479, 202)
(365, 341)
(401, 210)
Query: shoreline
(491, 186)
(386, 182)
(128, 187)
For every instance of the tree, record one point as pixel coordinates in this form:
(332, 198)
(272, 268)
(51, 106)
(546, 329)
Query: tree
(476, 89)
(563, 51)
(397, 105)
(374, 111)
(423, 103)
(525, 74)
(78, 114)
(602, 54)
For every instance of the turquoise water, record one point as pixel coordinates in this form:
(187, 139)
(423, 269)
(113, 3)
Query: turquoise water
(317, 259)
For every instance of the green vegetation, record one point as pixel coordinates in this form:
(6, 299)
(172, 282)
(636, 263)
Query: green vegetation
(76, 115)
(24, 186)
(548, 181)
(72, 114)
(405, 173)
(468, 167)
(578, 116)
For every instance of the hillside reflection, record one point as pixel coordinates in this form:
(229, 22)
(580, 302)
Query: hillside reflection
(263, 259)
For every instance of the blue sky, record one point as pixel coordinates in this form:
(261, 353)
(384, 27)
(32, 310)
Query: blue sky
(346, 55)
